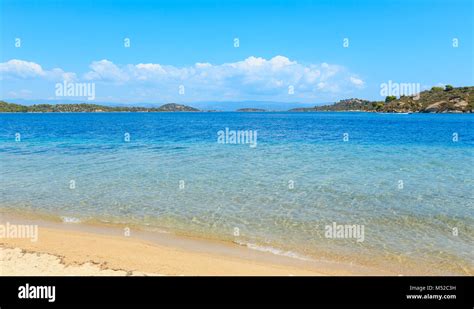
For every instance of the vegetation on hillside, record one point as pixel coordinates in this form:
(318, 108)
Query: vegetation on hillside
(64, 108)
(436, 100)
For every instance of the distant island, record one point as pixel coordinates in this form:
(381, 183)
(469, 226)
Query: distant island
(436, 100)
(251, 110)
(90, 108)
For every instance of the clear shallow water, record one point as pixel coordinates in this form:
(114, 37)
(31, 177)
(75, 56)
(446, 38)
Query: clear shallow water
(235, 186)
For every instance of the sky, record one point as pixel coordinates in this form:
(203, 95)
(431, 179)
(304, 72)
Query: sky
(180, 51)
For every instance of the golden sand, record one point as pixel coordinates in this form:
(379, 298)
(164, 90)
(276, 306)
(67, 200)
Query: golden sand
(68, 252)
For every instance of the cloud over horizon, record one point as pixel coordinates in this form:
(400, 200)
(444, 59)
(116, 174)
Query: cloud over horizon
(278, 78)
(20, 69)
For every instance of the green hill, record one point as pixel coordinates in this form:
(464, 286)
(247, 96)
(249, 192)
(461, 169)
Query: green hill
(436, 100)
(90, 108)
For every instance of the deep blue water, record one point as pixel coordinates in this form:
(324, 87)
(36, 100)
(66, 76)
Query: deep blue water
(401, 176)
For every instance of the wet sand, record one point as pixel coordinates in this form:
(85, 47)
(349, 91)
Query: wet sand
(77, 249)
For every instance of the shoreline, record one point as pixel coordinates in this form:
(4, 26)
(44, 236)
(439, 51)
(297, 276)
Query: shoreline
(92, 250)
(51, 254)
(241, 112)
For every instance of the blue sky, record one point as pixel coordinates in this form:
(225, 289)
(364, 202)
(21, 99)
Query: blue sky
(189, 46)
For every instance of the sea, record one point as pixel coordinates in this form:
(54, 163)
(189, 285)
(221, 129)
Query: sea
(393, 191)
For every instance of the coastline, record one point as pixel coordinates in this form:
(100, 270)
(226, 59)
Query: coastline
(81, 250)
(74, 248)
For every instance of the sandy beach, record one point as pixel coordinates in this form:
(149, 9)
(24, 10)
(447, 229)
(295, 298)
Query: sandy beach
(45, 246)
(62, 252)
(73, 249)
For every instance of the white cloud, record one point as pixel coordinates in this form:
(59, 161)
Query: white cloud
(357, 81)
(105, 70)
(255, 77)
(20, 69)
(253, 72)
(58, 74)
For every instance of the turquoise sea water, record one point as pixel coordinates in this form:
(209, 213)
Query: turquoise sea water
(400, 176)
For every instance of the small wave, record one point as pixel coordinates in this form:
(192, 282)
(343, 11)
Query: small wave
(70, 220)
(275, 251)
